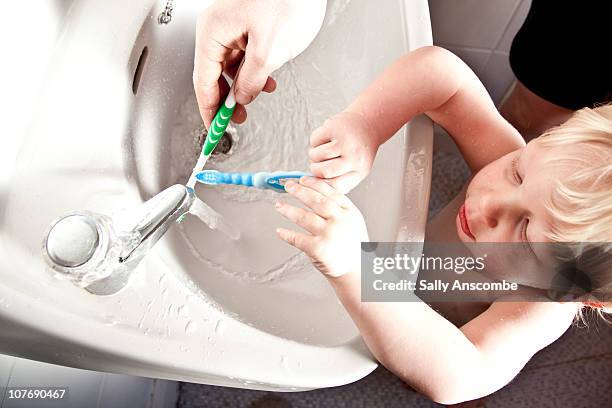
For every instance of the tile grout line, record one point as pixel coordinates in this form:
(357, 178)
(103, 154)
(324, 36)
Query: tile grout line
(8, 381)
(101, 390)
(514, 13)
(464, 47)
(594, 356)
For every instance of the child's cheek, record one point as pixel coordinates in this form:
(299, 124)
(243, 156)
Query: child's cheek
(488, 178)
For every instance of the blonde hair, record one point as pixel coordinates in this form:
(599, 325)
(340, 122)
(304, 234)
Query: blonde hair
(582, 203)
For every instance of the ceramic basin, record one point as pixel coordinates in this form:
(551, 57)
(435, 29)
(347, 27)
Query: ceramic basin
(115, 121)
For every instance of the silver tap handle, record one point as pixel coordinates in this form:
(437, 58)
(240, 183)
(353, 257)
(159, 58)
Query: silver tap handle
(73, 240)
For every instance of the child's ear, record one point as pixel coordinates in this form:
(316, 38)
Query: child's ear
(594, 305)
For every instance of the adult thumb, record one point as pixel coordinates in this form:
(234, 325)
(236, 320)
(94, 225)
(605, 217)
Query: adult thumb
(251, 78)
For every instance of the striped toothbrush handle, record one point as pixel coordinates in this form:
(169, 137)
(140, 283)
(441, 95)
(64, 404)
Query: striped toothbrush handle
(219, 124)
(240, 179)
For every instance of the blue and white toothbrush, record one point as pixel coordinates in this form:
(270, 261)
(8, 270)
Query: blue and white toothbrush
(266, 180)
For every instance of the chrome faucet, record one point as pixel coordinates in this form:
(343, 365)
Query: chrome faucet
(88, 248)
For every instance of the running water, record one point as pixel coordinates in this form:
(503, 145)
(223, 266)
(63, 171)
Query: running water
(213, 219)
(276, 137)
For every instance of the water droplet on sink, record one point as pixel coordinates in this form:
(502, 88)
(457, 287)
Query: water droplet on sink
(220, 327)
(190, 327)
(284, 361)
(162, 279)
(183, 310)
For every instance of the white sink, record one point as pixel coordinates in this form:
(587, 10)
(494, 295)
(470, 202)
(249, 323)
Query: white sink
(201, 307)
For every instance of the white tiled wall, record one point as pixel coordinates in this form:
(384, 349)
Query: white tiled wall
(85, 388)
(480, 32)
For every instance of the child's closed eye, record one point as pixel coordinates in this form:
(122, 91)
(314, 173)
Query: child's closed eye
(525, 238)
(515, 171)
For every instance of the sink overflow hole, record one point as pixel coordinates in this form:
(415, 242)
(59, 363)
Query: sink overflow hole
(139, 68)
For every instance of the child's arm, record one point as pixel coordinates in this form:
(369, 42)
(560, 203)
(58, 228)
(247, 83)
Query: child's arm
(449, 364)
(446, 363)
(430, 80)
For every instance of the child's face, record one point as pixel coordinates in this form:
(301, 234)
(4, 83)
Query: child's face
(505, 200)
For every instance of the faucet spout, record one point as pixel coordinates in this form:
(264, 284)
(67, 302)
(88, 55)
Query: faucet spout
(156, 216)
(87, 249)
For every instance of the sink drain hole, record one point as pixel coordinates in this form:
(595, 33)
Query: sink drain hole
(225, 143)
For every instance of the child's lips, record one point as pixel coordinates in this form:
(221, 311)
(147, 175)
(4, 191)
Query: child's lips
(465, 227)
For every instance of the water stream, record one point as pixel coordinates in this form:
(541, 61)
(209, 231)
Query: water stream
(213, 219)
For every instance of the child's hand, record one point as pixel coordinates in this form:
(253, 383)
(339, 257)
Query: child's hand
(343, 150)
(335, 225)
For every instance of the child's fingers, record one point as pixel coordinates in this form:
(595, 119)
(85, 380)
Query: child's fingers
(314, 200)
(331, 168)
(319, 136)
(309, 221)
(345, 183)
(301, 241)
(324, 187)
(329, 150)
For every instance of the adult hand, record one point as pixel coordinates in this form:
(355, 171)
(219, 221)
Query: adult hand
(266, 33)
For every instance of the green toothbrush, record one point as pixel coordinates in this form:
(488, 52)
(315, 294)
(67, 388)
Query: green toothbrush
(217, 128)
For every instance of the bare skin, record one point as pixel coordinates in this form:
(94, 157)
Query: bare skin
(263, 33)
(447, 363)
(530, 114)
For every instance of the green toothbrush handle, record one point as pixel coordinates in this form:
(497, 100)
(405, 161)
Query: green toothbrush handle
(219, 124)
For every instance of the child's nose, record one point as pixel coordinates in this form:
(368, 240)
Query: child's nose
(494, 206)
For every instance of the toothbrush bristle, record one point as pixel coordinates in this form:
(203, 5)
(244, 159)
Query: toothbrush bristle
(208, 177)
